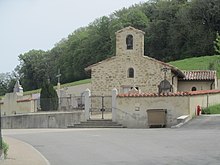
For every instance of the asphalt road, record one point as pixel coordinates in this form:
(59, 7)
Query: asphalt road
(189, 145)
(204, 122)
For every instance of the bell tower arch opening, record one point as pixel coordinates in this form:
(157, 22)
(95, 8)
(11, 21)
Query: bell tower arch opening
(129, 41)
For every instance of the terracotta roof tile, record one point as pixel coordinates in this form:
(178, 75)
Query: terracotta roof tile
(200, 75)
(24, 100)
(189, 93)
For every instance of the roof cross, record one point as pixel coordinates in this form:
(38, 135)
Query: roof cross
(165, 70)
(58, 76)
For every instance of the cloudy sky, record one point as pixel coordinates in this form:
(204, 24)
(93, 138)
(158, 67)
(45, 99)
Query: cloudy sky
(39, 24)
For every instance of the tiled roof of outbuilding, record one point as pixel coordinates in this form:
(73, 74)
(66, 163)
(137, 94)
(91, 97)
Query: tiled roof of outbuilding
(199, 75)
(189, 93)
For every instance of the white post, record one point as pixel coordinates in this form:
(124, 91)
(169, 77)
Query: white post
(114, 96)
(87, 103)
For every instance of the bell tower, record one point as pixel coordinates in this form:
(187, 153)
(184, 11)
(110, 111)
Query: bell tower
(129, 41)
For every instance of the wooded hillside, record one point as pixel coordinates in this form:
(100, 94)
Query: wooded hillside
(175, 29)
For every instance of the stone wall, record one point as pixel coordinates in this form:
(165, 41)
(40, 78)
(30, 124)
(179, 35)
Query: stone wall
(42, 120)
(16, 103)
(138, 42)
(76, 90)
(203, 101)
(131, 111)
(114, 74)
(13, 103)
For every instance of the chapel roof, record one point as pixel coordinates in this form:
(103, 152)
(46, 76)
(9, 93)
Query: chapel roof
(175, 70)
(129, 28)
(107, 59)
(199, 75)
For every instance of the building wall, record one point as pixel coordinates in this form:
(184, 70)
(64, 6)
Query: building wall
(200, 85)
(132, 111)
(114, 74)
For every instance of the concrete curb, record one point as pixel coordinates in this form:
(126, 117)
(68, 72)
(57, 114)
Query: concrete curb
(22, 153)
(46, 161)
(181, 124)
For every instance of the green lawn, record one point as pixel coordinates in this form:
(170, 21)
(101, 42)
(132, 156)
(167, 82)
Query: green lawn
(62, 86)
(199, 63)
(80, 82)
(215, 109)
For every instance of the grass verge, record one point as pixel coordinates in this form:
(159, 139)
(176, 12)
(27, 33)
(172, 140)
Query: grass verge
(86, 81)
(199, 63)
(214, 109)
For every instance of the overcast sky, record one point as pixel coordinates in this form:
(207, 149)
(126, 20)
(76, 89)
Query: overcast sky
(39, 24)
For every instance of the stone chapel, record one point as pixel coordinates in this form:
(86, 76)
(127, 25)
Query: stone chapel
(130, 70)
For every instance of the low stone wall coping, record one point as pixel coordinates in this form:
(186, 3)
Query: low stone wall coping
(190, 93)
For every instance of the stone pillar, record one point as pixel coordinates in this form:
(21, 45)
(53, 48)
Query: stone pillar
(87, 103)
(114, 97)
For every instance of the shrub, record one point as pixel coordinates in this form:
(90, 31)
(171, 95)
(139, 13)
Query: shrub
(214, 109)
(48, 98)
(205, 111)
(5, 148)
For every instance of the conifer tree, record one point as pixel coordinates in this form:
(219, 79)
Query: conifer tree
(217, 43)
(48, 98)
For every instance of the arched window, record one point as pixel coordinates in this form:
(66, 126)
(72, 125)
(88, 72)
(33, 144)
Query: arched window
(130, 73)
(129, 42)
(193, 88)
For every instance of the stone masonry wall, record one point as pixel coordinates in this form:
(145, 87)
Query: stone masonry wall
(138, 42)
(114, 74)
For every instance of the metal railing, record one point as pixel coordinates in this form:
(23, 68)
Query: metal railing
(69, 103)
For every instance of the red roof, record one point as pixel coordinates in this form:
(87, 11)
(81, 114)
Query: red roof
(24, 100)
(200, 75)
(189, 93)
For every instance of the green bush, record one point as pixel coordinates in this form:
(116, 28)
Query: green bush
(205, 111)
(5, 148)
(48, 98)
(214, 109)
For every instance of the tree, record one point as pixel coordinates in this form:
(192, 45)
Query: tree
(34, 67)
(7, 82)
(48, 97)
(217, 43)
